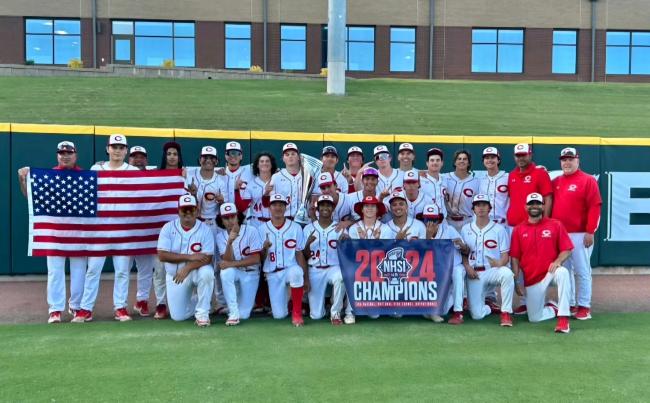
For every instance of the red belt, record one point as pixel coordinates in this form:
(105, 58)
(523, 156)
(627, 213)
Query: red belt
(457, 218)
(479, 268)
(264, 219)
(322, 267)
(277, 269)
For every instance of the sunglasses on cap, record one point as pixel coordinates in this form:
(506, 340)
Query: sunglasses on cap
(382, 157)
(233, 153)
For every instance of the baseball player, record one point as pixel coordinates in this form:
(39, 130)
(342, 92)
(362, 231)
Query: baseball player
(341, 213)
(208, 187)
(461, 185)
(495, 185)
(116, 150)
(370, 209)
(289, 180)
(329, 158)
(186, 247)
(406, 158)
(577, 205)
(322, 237)
(355, 162)
(235, 172)
(284, 263)
(437, 228)
(389, 177)
(369, 181)
(172, 158)
(432, 181)
(486, 263)
(540, 245)
(404, 225)
(66, 155)
(240, 247)
(415, 197)
(252, 197)
(524, 179)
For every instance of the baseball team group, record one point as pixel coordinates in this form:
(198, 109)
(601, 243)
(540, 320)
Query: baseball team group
(238, 240)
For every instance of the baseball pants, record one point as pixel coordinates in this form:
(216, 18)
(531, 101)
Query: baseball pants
(144, 265)
(488, 279)
(56, 290)
(455, 298)
(181, 299)
(579, 265)
(159, 281)
(239, 290)
(536, 296)
(122, 267)
(278, 281)
(218, 289)
(318, 281)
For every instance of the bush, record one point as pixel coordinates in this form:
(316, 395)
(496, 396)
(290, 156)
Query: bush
(29, 62)
(256, 69)
(75, 64)
(168, 64)
(323, 72)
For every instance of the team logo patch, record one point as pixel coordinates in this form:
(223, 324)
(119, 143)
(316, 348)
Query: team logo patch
(333, 243)
(290, 243)
(243, 185)
(246, 251)
(196, 247)
(227, 209)
(546, 233)
(468, 192)
(528, 179)
(394, 266)
(572, 188)
(502, 188)
(187, 199)
(209, 196)
(490, 244)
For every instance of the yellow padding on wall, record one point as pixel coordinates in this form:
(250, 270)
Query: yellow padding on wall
(5, 127)
(624, 141)
(213, 134)
(567, 140)
(364, 138)
(490, 140)
(134, 131)
(51, 129)
(286, 136)
(428, 138)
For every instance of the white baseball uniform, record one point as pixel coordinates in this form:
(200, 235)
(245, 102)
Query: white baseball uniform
(417, 230)
(354, 198)
(206, 193)
(446, 231)
(324, 269)
(291, 187)
(399, 182)
(341, 184)
(240, 301)
(280, 265)
(341, 209)
(435, 190)
(496, 188)
(384, 230)
(56, 290)
(390, 182)
(487, 242)
(181, 300)
(244, 172)
(460, 193)
(257, 214)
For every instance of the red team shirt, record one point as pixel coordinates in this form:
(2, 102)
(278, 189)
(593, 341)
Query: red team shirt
(537, 246)
(576, 202)
(520, 185)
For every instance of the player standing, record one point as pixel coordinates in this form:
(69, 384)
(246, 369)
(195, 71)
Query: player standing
(288, 181)
(577, 205)
(355, 162)
(388, 176)
(403, 225)
(329, 158)
(406, 158)
(461, 185)
(235, 171)
(253, 197)
(495, 186)
(208, 187)
(369, 181)
(432, 181)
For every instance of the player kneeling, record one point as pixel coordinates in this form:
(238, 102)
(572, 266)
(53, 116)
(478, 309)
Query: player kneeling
(240, 247)
(320, 251)
(284, 263)
(486, 264)
(186, 247)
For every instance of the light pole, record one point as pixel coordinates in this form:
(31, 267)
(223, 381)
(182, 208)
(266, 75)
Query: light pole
(336, 57)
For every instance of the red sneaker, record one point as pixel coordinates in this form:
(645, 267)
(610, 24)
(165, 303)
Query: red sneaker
(142, 307)
(494, 307)
(465, 305)
(82, 316)
(553, 306)
(573, 310)
(122, 315)
(297, 320)
(562, 325)
(583, 313)
(506, 320)
(161, 312)
(456, 318)
(336, 320)
(521, 310)
(55, 317)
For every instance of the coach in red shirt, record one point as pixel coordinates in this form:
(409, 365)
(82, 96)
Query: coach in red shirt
(539, 247)
(577, 205)
(525, 179)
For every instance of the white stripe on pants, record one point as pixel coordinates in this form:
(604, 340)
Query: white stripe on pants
(239, 290)
(488, 279)
(56, 290)
(183, 302)
(144, 264)
(537, 311)
(122, 267)
(318, 281)
(579, 265)
(455, 298)
(278, 292)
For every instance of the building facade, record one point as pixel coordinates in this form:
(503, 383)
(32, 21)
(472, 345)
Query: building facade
(568, 40)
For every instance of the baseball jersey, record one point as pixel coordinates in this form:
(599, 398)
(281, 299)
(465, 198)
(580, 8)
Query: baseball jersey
(253, 192)
(537, 246)
(244, 172)
(384, 231)
(417, 230)
(446, 231)
(520, 185)
(341, 184)
(285, 242)
(489, 241)
(206, 192)
(390, 182)
(291, 187)
(104, 166)
(460, 193)
(247, 243)
(576, 202)
(416, 207)
(496, 188)
(435, 190)
(175, 239)
(323, 248)
(354, 198)
(341, 209)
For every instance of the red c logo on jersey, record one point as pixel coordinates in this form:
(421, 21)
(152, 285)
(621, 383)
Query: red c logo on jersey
(246, 251)
(196, 247)
(290, 243)
(333, 243)
(209, 196)
(243, 185)
(468, 192)
(502, 188)
(490, 244)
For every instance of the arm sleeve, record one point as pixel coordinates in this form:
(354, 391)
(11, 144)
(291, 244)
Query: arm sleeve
(300, 241)
(255, 241)
(595, 202)
(220, 242)
(545, 186)
(208, 241)
(515, 248)
(504, 241)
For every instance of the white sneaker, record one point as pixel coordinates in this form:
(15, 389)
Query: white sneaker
(437, 318)
(349, 319)
(202, 322)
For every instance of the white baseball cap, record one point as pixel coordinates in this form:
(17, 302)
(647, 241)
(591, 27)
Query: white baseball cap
(117, 139)
(324, 198)
(379, 150)
(209, 150)
(534, 197)
(491, 151)
(227, 209)
(66, 146)
(187, 201)
(137, 149)
(277, 197)
(569, 152)
(290, 146)
(325, 179)
(355, 149)
(523, 148)
(406, 146)
(480, 198)
(233, 145)
(396, 195)
(431, 211)
(411, 176)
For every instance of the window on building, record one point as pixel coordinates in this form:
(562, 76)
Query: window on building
(238, 46)
(323, 47)
(402, 49)
(497, 50)
(360, 48)
(151, 43)
(50, 41)
(628, 52)
(293, 47)
(564, 51)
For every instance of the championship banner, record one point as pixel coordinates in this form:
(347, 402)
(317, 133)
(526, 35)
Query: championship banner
(388, 277)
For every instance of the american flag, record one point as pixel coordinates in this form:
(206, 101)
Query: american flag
(100, 213)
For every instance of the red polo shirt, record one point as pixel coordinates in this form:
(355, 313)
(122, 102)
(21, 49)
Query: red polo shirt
(576, 202)
(537, 246)
(520, 185)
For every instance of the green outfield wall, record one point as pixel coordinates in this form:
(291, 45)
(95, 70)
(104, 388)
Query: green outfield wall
(621, 165)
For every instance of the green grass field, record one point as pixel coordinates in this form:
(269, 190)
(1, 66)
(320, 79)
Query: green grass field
(409, 359)
(372, 106)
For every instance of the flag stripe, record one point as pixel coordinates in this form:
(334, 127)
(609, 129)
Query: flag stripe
(106, 220)
(84, 253)
(129, 200)
(171, 206)
(122, 248)
(96, 240)
(95, 234)
(136, 213)
(98, 227)
(154, 173)
(137, 186)
(146, 193)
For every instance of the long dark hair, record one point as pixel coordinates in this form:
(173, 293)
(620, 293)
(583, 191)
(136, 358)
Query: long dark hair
(469, 159)
(167, 146)
(256, 163)
(240, 219)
